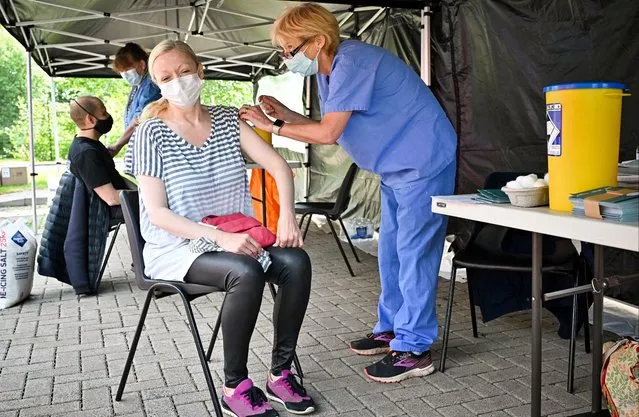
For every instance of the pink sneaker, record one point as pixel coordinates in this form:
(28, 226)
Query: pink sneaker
(288, 392)
(247, 401)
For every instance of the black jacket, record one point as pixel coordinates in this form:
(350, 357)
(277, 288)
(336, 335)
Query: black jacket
(74, 237)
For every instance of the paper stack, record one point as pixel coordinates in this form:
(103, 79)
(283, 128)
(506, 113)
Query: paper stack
(628, 174)
(492, 196)
(609, 203)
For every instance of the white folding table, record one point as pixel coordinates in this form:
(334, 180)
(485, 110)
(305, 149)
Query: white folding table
(543, 221)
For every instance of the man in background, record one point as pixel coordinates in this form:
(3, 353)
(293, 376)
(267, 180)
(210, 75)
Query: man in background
(89, 160)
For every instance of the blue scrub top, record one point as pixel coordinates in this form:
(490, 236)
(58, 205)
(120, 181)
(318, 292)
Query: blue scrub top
(145, 94)
(397, 128)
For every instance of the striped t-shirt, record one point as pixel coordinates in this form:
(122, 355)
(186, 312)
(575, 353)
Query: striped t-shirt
(209, 180)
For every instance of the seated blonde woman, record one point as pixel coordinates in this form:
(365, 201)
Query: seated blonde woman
(189, 164)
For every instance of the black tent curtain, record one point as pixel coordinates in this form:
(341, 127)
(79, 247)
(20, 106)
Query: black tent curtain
(490, 62)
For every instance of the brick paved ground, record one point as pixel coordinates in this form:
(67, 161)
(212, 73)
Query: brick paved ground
(60, 355)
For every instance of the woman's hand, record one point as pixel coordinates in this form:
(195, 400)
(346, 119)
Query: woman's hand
(255, 115)
(274, 108)
(288, 232)
(238, 243)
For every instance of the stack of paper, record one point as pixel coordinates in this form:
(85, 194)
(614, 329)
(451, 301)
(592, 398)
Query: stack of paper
(608, 203)
(628, 174)
(492, 196)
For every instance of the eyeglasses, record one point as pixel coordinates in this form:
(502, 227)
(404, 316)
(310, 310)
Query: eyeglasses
(289, 55)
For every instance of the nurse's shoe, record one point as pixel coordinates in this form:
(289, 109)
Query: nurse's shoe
(373, 344)
(398, 366)
(247, 401)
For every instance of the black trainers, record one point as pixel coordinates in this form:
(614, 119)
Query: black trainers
(398, 366)
(373, 344)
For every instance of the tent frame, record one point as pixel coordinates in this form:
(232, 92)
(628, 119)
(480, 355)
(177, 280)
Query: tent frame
(211, 62)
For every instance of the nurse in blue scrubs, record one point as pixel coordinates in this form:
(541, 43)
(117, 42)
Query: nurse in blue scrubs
(131, 62)
(381, 112)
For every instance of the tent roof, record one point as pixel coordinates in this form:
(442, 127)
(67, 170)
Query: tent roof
(79, 38)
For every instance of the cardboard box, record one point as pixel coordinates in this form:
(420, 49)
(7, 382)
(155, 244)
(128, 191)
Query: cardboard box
(14, 175)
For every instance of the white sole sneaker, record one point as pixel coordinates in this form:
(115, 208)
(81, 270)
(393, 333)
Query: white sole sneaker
(401, 377)
(309, 410)
(371, 352)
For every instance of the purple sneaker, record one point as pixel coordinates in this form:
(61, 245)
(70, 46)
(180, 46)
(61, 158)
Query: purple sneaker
(247, 401)
(288, 392)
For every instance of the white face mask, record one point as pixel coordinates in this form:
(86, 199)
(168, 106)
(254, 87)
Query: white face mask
(303, 65)
(132, 77)
(183, 91)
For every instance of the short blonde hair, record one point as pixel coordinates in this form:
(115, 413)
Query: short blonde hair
(306, 21)
(155, 108)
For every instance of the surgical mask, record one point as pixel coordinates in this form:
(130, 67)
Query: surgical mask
(183, 91)
(303, 65)
(103, 126)
(132, 77)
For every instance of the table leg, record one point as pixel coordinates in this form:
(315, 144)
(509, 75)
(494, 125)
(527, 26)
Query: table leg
(536, 326)
(597, 331)
(263, 172)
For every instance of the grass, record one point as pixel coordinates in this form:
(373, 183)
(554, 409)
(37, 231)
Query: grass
(41, 184)
(41, 179)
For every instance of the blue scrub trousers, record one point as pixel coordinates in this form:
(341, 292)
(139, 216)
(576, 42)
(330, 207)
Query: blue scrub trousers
(411, 242)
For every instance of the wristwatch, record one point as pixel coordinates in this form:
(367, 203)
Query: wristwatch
(277, 125)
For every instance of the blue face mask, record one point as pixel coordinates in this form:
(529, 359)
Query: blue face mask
(303, 65)
(132, 77)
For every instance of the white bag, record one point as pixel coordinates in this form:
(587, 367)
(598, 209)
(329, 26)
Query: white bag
(18, 248)
(446, 264)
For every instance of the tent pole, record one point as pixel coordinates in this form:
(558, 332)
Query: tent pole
(425, 53)
(31, 141)
(54, 123)
(307, 157)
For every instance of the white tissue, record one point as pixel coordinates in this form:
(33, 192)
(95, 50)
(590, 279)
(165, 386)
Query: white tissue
(546, 178)
(540, 183)
(526, 181)
(513, 185)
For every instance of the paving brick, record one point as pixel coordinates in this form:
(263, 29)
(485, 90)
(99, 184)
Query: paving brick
(504, 374)
(36, 387)
(46, 410)
(193, 410)
(161, 407)
(450, 398)
(342, 400)
(66, 392)
(480, 386)
(41, 400)
(95, 398)
(486, 405)
(454, 411)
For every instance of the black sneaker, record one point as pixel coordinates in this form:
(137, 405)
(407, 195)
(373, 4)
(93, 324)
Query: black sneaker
(398, 366)
(373, 344)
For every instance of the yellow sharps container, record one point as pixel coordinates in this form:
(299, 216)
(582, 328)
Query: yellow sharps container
(583, 123)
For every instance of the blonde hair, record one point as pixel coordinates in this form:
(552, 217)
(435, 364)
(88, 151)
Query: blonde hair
(307, 21)
(155, 108)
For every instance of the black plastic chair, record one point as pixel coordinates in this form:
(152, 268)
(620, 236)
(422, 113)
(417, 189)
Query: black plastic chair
(159, 288)
(113, 231)
(332, 211)
(482, 253)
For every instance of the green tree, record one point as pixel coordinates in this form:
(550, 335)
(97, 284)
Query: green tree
(227, 93)
(19, 131)
(12, 86)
